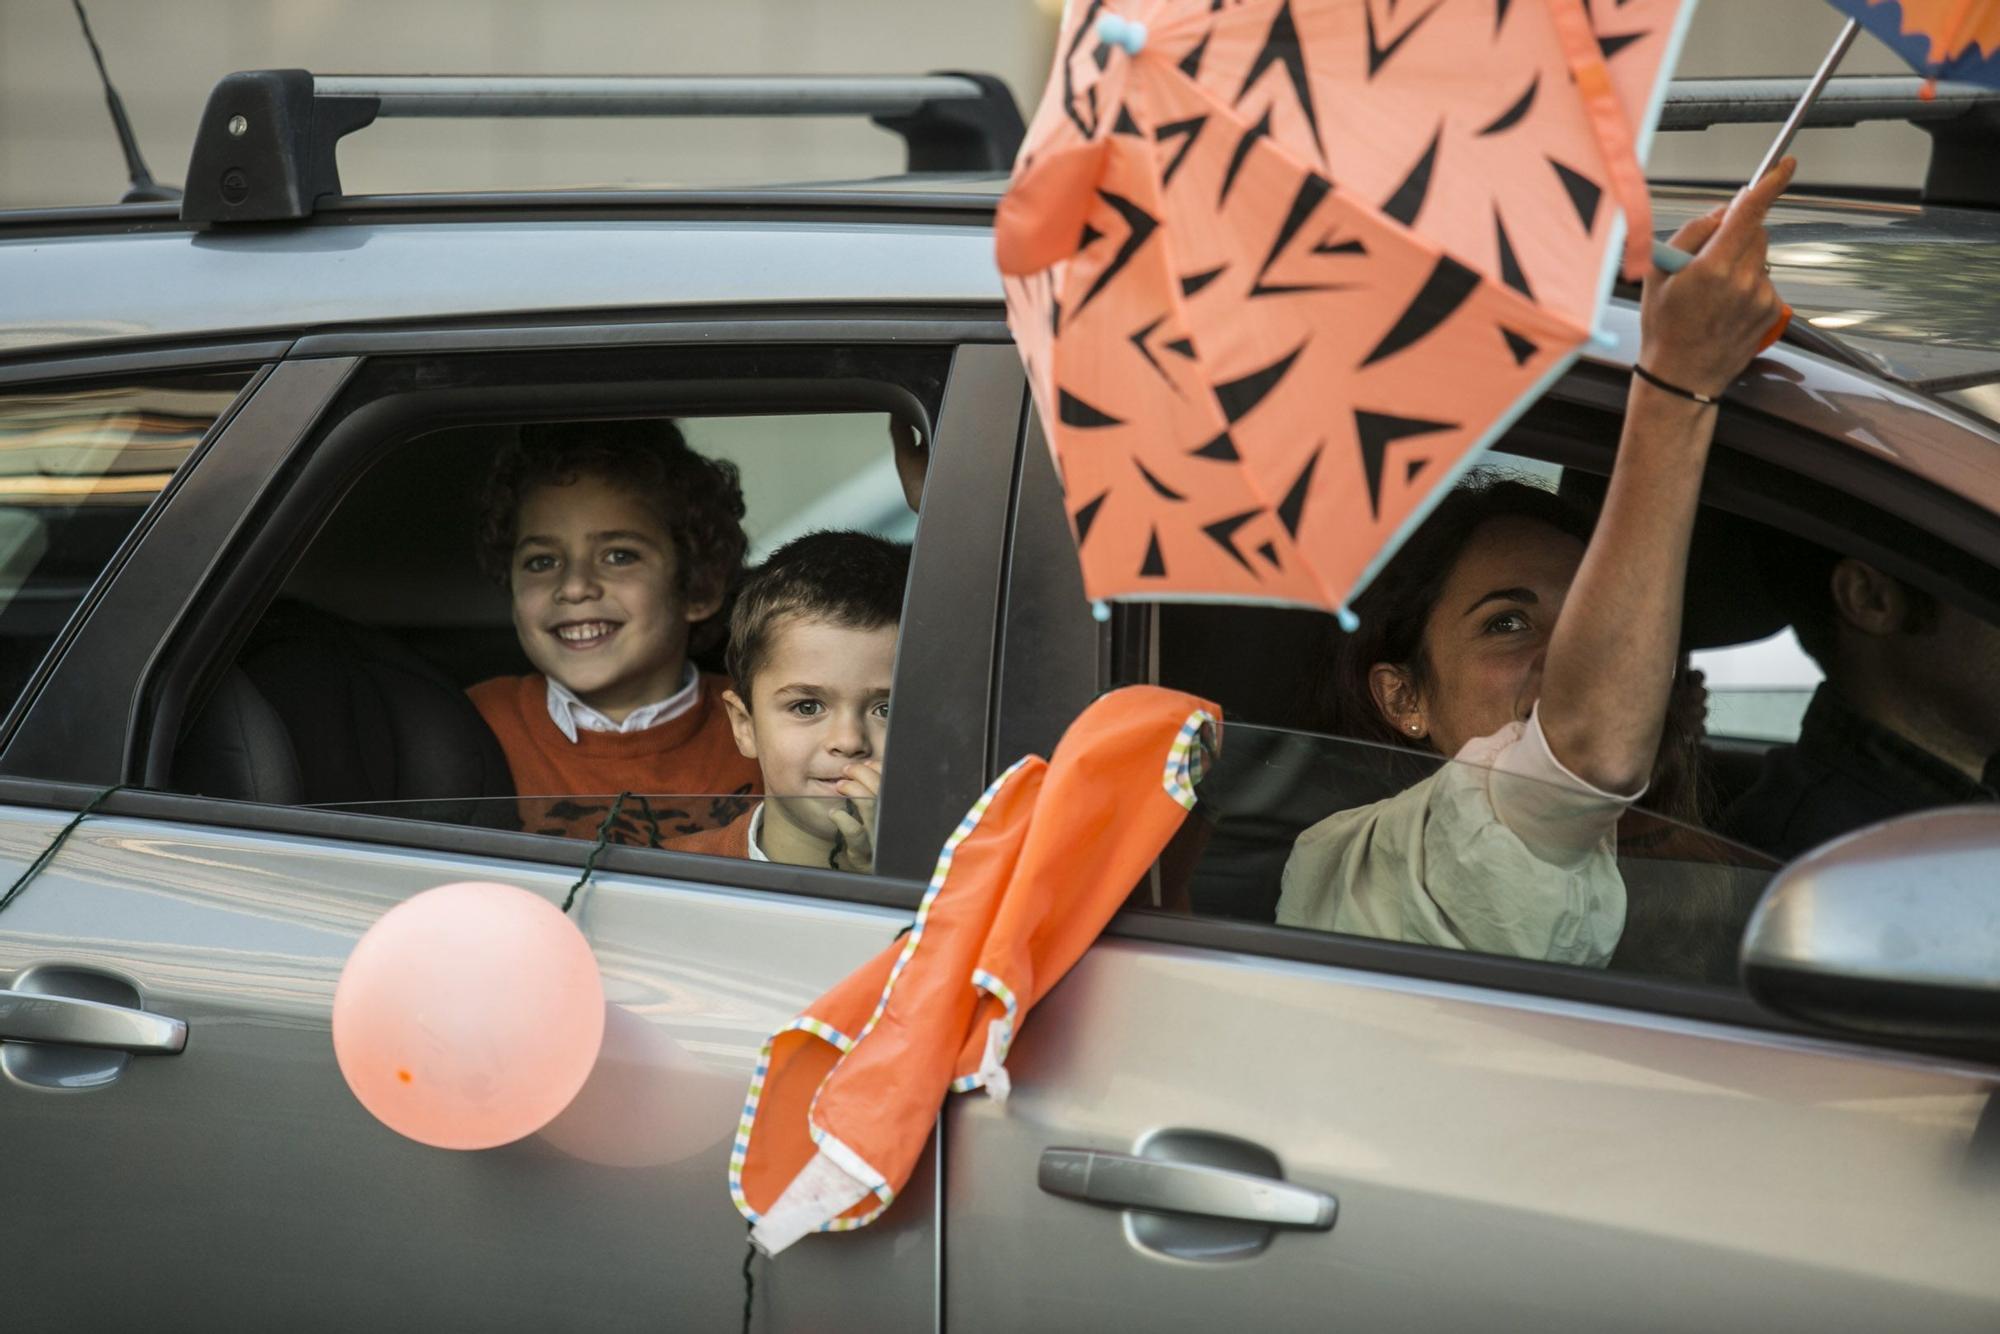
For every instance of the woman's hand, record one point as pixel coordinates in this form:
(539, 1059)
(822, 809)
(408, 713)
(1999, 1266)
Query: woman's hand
(1700, 327)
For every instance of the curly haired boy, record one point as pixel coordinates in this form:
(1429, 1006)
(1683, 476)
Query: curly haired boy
(619, 546)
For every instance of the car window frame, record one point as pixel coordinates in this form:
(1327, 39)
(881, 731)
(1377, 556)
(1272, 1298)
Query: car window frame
(193, 486)
(1750, 449)
(983, 400)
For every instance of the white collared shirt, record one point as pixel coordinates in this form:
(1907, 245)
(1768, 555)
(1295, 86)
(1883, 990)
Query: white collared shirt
(571, 714)
(757, 834)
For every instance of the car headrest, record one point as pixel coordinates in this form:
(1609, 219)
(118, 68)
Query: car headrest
(238, 748)
(372, 721)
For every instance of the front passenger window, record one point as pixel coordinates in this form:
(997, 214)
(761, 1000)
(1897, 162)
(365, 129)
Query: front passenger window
(1286, 819)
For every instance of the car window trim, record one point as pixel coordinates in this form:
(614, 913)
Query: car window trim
(116, 362)
(1052, 651)
(946, 676)
(394, 831)
(983, 404)
(350, 437)
(16, 710)
(1834, 464)
(1944, 524)
(957, 325)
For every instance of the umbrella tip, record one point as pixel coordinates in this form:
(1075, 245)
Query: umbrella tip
(1129, 34)
(1604, 340)
(1100, 611)
(1348, 620)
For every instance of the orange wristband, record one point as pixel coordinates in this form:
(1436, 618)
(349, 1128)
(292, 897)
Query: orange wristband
(1777, 330)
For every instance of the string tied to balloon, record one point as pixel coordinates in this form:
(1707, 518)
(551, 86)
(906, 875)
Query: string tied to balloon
(596, 849)
(48, 854)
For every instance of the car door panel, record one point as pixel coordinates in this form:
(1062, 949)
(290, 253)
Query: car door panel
(1500, 1162)
(238, 1184)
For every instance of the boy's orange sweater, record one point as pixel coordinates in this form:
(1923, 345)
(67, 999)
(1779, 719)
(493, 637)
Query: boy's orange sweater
(730, 840)
(566, 786)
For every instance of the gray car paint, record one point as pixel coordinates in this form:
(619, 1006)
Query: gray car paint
(70, 291)
(239, 1185)
(1502, 1162)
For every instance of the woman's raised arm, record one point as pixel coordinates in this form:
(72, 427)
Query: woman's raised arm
(1611, 656)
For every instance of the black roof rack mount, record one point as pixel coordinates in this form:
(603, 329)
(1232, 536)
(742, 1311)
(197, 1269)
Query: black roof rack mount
(264, 150)
(1963, 120)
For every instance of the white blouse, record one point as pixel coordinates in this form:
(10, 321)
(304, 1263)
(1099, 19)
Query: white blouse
(1503, 850)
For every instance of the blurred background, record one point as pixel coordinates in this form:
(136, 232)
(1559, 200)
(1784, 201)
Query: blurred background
(57, 145)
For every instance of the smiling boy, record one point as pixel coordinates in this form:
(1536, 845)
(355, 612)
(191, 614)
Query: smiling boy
(617, 544)
(812, 647)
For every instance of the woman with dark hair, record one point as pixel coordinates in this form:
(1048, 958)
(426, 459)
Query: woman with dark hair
(1540, 654)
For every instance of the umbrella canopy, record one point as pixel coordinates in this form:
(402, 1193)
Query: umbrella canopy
(1942, 39)
(1279, 268)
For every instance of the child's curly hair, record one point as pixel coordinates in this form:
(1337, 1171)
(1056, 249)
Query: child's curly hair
(698, 500)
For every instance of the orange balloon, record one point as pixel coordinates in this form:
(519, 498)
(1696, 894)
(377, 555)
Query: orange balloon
(468, 1016)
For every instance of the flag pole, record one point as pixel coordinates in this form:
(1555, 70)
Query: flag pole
(1673, 261)
(1806, 99)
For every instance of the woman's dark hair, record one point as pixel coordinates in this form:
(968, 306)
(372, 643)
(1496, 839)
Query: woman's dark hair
(1397, 606)
(698, 500)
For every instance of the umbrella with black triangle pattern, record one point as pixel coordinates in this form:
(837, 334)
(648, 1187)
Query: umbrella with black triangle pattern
(1279, 269)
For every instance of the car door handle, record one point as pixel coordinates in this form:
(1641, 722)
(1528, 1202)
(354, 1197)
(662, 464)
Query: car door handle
(1121, 1181)
(27, 1016)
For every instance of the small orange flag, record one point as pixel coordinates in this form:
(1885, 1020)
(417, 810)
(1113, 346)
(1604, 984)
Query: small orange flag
(844, 1096)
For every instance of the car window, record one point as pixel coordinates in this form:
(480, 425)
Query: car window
(1758, 691)
(393, 675)
(1325, 834)
(78, 466)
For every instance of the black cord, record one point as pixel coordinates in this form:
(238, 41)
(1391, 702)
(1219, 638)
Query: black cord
(590, 862)
(749, 1283)
(49, 853)
(1706, 400)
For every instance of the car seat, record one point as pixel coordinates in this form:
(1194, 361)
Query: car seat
(320, 711)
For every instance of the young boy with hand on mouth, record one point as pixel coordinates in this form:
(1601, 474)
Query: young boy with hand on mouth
(617, 543)
(812, 647)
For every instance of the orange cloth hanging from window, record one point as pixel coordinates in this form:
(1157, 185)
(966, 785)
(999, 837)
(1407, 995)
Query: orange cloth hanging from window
(845, 1095)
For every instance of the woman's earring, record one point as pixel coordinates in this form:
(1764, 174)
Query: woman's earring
(1416, 727)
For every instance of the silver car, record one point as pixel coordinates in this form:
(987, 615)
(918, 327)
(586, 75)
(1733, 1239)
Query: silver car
(240, 438)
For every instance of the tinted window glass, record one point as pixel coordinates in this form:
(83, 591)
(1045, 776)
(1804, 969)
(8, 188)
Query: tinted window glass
(396, 676)
(1410, 847)
(77, 469)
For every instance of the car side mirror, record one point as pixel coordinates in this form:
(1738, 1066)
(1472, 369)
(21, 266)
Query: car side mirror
(1892, 931)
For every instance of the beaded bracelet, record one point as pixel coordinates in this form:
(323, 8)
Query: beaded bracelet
(1671, 387)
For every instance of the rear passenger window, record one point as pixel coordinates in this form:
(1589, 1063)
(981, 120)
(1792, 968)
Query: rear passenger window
(475, 636)
(78, 467)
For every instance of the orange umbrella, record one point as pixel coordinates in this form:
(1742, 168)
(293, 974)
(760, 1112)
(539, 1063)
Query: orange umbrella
(1280, 268)
(1941, 39)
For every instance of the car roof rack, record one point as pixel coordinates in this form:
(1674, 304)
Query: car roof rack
(1963, 120)
(264, 150)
